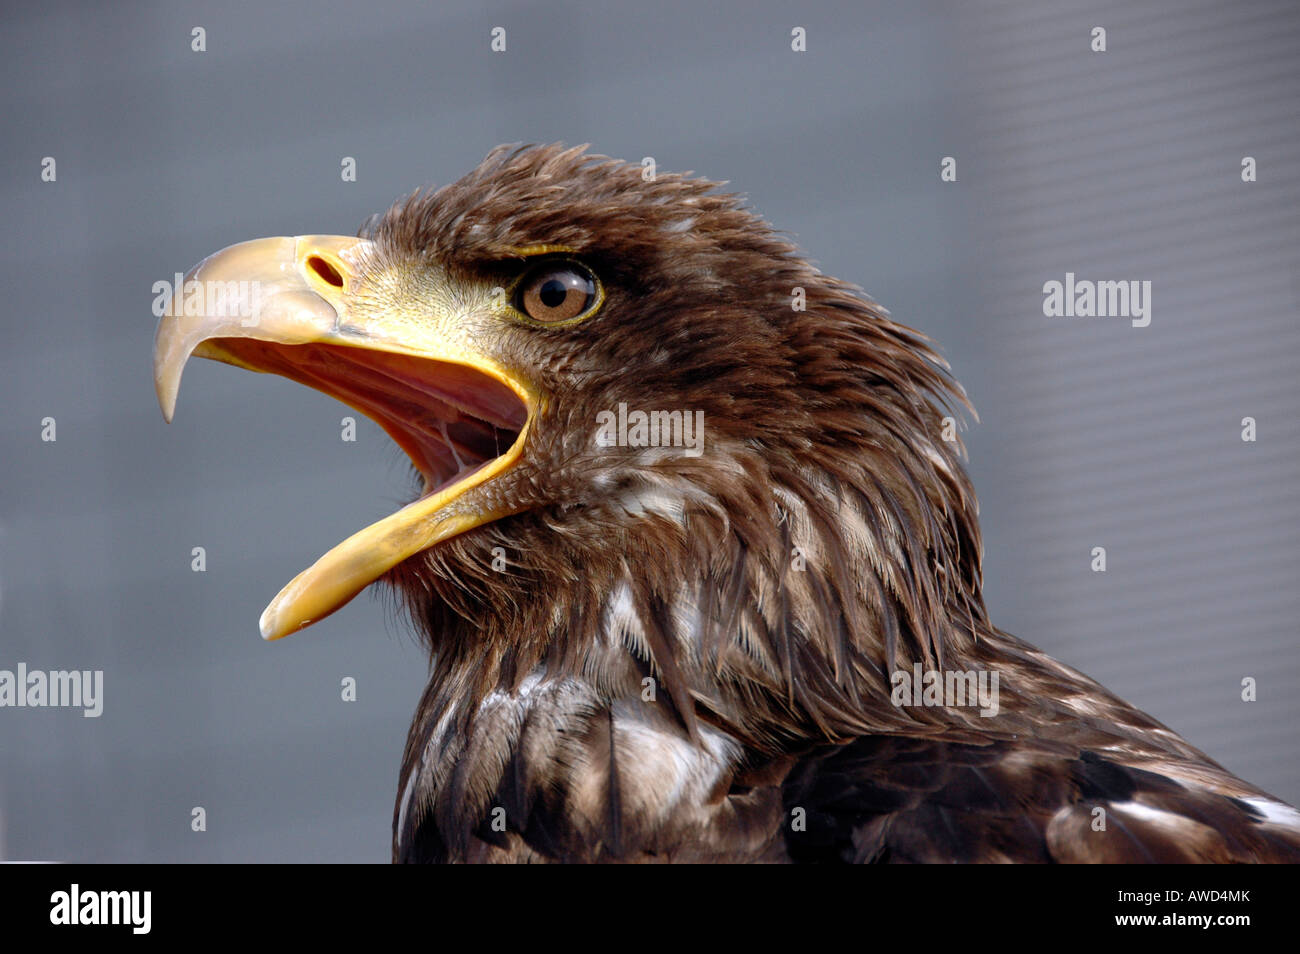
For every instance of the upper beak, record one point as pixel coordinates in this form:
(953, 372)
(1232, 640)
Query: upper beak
(252, 303)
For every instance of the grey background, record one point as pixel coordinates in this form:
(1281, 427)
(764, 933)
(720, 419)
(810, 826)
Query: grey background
(1117, 165)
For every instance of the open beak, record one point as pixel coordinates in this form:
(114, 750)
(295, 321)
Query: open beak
(281, 305)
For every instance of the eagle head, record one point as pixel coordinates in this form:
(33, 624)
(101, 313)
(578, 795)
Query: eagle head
(633, 408)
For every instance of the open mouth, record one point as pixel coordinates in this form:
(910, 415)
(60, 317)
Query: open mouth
(451, 420)
(435, 385)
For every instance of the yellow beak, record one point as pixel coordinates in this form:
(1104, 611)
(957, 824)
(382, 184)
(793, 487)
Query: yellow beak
(283, 305)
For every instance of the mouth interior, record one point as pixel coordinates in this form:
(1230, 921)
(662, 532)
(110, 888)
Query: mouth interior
(449, 418)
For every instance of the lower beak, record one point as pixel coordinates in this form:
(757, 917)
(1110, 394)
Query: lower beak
(283, 305)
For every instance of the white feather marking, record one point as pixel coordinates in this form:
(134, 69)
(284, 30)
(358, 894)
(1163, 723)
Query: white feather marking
(407, 790)
(621, 623)
(1275, 813)
(1157, 816)
(520, 696)
(665, 769)
(652, 501)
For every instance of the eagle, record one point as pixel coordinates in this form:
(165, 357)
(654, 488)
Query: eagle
(693, 552)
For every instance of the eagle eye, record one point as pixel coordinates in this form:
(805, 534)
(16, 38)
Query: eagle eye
(556, 291)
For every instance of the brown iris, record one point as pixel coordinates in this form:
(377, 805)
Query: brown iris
(556, 291)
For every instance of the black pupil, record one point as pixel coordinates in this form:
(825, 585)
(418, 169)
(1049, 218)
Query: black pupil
(553, 292)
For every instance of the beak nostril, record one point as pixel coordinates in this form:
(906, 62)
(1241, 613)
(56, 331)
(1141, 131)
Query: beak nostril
(325, 270)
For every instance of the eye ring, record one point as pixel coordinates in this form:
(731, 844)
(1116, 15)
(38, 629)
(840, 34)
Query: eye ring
(557, 292)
